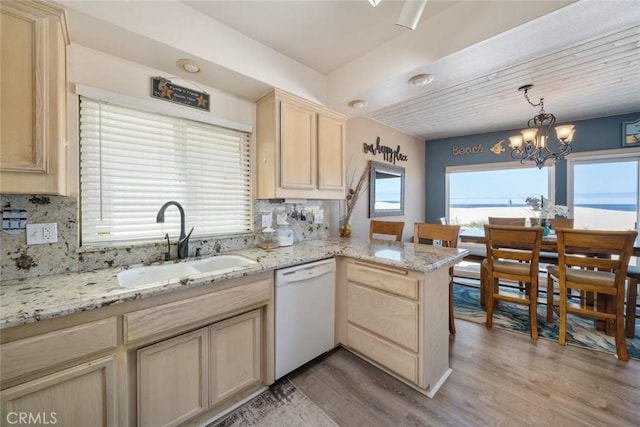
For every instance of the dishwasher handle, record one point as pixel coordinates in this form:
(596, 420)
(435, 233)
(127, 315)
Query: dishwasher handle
(298, 274)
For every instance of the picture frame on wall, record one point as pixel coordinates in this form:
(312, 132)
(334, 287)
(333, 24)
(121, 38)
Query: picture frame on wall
(631, 133)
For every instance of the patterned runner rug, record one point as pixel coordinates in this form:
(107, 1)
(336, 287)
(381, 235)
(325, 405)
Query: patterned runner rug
(282, 405)
(580, 330)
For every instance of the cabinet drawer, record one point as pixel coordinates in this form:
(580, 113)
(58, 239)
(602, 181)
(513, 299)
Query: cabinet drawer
(185, 313)
(392, 317)
(398, 360)
(387, 279)
(42, 351)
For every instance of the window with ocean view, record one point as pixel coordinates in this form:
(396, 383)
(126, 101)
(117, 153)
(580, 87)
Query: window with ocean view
(604, 193)
(476, 194)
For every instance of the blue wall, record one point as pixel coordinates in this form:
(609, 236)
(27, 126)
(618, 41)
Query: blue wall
(595, 134)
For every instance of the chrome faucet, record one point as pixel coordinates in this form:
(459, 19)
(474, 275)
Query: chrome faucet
(183, 240)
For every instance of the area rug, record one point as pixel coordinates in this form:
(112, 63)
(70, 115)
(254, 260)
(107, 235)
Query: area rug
(282, 405)
(580, 330)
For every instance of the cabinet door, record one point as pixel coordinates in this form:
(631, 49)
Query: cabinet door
(331, 149)
(298, 141)
(32, 98)
(172, 380)
(235, 355)
(79, 396)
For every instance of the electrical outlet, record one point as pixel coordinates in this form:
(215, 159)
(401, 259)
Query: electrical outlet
(42, 233)
(266, 220)
(318, 218)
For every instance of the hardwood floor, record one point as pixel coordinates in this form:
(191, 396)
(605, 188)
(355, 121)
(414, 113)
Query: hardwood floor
(499, 378)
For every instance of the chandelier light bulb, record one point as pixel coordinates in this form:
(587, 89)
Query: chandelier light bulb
(515, 141)
(565, 133)
(529, 135)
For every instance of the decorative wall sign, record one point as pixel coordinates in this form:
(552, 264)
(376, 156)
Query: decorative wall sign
(498, 148)
(631, 133)
(474, 149)
(389, 154)
(162, 88)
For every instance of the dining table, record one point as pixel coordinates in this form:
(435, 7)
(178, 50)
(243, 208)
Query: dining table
(550, 246)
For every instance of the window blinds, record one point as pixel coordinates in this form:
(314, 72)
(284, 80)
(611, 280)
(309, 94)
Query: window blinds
(133, 161)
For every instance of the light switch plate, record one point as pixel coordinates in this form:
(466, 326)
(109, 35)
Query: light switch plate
(318, 218)
(266, 220)
(42, 233)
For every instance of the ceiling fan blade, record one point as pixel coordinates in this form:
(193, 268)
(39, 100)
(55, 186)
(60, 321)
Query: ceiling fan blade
(411, 13)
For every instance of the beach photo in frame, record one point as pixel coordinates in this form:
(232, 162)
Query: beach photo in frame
(631, 133)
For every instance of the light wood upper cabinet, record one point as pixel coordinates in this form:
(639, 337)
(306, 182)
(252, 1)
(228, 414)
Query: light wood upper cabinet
(331, 149)
(301, 149)
(297, 146)
(32, 98)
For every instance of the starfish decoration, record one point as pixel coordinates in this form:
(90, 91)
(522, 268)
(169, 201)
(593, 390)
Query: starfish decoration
(202, 101)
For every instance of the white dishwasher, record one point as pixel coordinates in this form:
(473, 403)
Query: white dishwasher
(305, 313)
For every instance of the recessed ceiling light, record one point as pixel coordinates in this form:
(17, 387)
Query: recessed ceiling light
(190, 66)
(357, 104)
(421, 79)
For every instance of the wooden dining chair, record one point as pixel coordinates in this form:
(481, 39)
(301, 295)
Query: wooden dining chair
(497, 220)
(594, 261)
(512, 254)
(448, 235)
(561, 223)
(391, 228)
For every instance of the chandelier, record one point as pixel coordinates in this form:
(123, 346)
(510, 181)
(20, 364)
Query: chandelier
(533, 143)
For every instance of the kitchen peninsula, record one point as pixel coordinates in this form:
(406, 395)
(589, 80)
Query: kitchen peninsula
(83, 329)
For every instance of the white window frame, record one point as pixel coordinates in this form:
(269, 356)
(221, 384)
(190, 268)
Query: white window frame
(600, 156)
(485, 167)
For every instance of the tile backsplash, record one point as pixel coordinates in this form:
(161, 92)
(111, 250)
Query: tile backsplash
(20, 260)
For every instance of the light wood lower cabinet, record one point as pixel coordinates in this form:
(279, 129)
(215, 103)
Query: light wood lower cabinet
(84, 395)
(184, 376)
(395, 318)
(234, 349)
(173, 359)
(172, 380)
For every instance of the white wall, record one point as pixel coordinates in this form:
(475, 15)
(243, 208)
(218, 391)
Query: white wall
(362, 130)
(106, 72)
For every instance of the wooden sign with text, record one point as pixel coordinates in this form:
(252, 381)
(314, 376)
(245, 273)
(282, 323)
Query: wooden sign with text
(162, 88)
(389, 154)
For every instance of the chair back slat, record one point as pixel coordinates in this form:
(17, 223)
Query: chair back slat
(514, 254)
(561, 223)
(494, 220)
(391, 228)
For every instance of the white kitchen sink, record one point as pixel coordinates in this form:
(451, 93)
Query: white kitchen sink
(161, 274)
(221, 262)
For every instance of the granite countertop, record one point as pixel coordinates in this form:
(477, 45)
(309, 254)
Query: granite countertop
(29, 300)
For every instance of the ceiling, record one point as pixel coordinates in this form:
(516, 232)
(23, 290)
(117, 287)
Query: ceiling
(583, 57)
